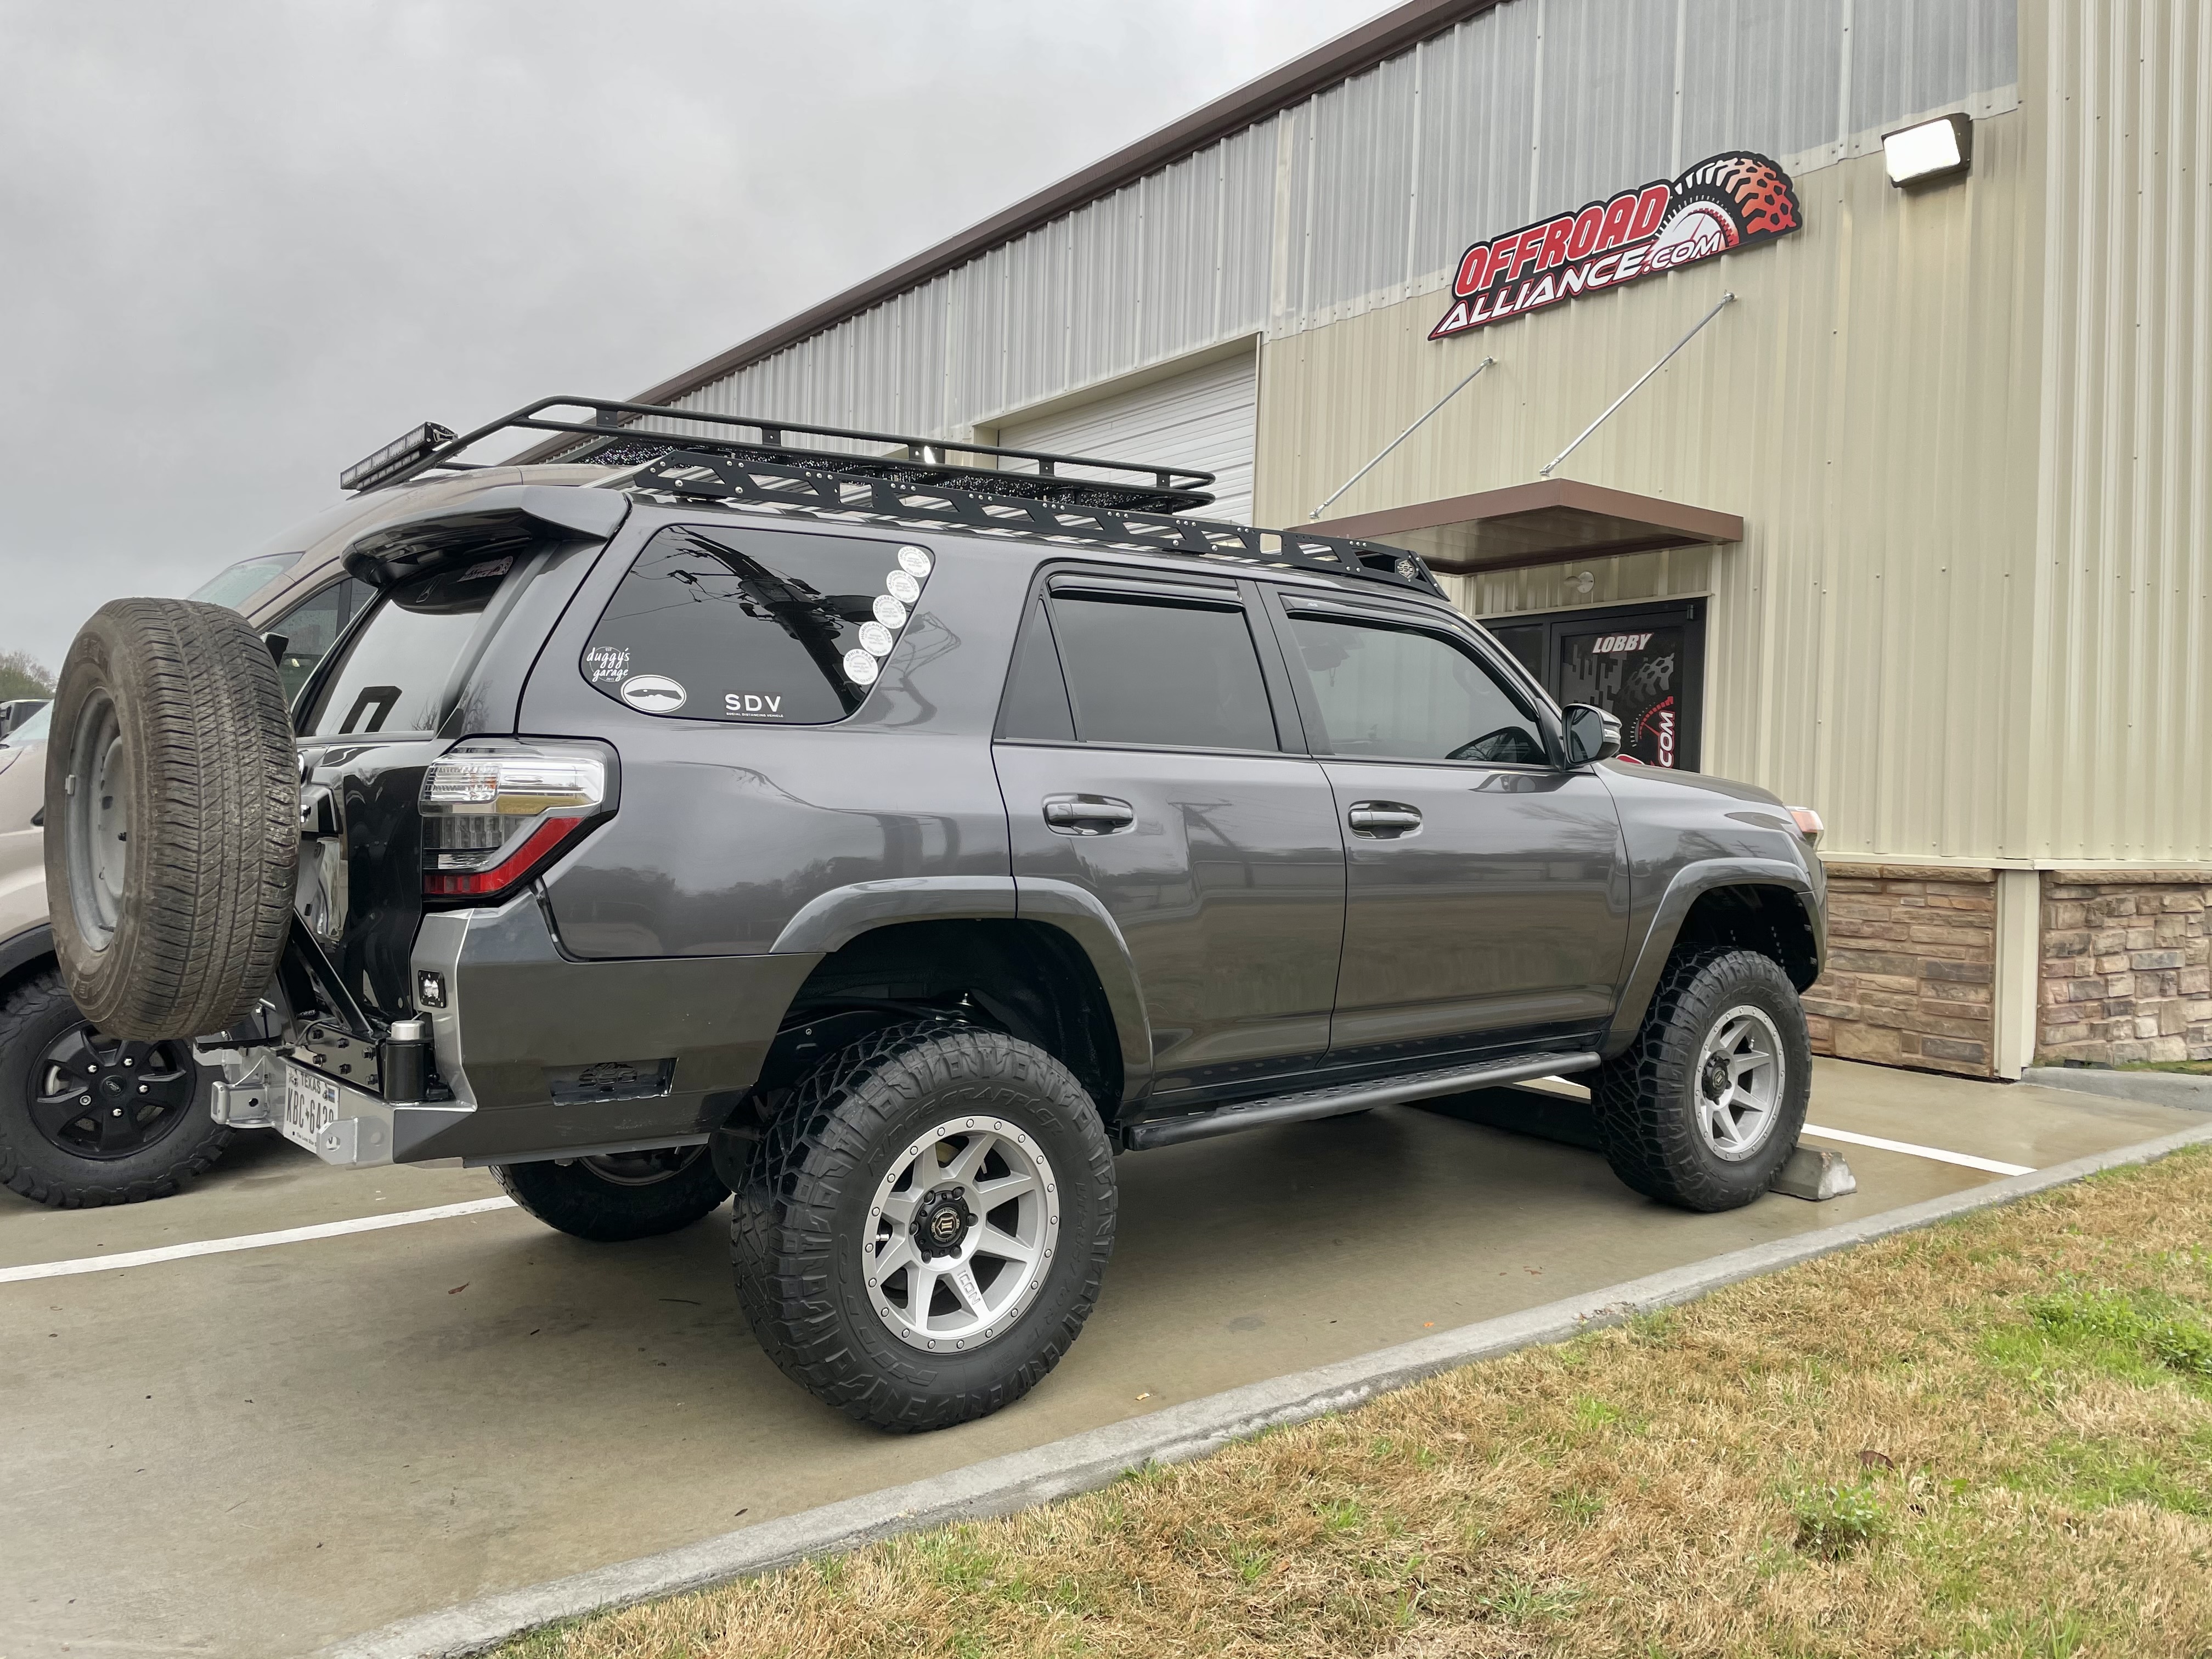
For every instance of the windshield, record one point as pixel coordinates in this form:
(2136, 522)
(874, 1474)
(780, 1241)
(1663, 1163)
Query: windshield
(32, 729)
(242, 580)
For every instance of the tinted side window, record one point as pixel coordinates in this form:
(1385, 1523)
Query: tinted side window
(312, 627)
(394, 672)
(1181, 675)
(723, 623)
(1404, 695)
(1035, 705)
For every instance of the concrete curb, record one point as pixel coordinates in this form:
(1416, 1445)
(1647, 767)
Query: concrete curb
(1085, 1462)
(2179, 1089)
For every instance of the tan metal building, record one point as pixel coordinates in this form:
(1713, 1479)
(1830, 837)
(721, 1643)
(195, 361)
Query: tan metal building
(1916, 528)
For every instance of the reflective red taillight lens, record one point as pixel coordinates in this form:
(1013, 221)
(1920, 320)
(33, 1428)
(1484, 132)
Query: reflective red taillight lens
(1809, 823)
(497, 810)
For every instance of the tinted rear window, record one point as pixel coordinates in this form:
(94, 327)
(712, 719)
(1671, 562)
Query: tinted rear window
(723, 623)
(1165, 675)
(394, 674)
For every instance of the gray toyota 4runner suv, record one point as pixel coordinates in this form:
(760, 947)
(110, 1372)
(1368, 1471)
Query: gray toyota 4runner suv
(890, 834)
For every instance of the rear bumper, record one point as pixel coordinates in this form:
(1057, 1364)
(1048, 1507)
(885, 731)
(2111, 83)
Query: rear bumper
(548, 1056)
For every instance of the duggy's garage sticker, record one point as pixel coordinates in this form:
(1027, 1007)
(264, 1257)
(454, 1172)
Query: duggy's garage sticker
(1724, 203)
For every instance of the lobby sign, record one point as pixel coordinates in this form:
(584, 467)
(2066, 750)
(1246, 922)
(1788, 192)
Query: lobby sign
(1725, 202)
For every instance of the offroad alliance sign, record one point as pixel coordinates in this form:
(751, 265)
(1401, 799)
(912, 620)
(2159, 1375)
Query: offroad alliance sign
(1726, 202)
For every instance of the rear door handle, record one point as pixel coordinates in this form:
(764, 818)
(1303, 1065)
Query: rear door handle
(1087, 815)
(1383, 820)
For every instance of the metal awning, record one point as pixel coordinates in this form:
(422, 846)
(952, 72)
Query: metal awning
(1548, 522)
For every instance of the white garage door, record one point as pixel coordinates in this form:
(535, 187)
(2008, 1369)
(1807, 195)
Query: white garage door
(1204, 419)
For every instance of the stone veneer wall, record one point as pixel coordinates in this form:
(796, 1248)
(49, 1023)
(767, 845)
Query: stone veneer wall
(1911, 972)
(2126, 966)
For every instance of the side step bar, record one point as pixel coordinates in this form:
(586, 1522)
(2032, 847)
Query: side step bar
(1351, 1097)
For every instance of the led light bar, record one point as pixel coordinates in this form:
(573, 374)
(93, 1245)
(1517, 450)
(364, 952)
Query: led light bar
(395, 457)
(1918, 155)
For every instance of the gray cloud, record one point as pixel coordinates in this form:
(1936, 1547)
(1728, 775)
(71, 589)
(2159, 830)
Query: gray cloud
(243, 242)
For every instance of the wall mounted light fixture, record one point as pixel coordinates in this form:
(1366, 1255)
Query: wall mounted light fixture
(1929, 150)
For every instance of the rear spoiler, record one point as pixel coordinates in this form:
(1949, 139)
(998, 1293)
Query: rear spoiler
(507, 519)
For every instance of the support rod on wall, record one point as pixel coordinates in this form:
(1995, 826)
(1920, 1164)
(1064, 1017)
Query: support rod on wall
(1545, 471)
(1399, 439)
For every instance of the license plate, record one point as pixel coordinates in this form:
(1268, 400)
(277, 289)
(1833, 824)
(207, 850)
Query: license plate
(311, 1105)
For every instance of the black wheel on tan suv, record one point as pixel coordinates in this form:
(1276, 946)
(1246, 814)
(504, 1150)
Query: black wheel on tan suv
(618, 1197)
(1705, 1106)
(87, 1119)
(923, 1230)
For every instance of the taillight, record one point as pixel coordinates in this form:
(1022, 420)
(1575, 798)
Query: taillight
(496, 811)
(1809, 823)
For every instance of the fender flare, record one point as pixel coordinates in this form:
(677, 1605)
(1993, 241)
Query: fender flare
(25, 948)
(831, 921)
(1689, 884)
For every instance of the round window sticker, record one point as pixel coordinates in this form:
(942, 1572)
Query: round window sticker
(914, 561)
(904, 587)
(890, 612)
(860, 668)
(656, 694)
(876, 639)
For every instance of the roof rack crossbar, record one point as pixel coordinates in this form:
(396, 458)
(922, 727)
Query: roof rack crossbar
(843, 494)
(1167, 488)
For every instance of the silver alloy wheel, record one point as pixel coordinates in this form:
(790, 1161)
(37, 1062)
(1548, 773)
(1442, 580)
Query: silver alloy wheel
(1738, 1081)
(99, 821)
(960, 1233)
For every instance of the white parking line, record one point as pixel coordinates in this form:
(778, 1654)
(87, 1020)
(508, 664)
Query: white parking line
(370, 1224)
(1965, 1160)
(367, 1224)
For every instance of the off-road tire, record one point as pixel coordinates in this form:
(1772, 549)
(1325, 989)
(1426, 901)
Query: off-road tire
(34, 1014)
(798, 1218)
(572, 1196)
(201, 742)
(1645, 1099)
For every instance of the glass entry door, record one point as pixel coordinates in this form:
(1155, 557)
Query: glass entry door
(1644, 664)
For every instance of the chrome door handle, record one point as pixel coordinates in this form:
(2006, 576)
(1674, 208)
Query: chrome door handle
(1382, 820)
(1087, 815)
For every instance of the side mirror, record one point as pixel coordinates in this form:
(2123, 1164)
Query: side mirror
(1592, 734)
(276, 644)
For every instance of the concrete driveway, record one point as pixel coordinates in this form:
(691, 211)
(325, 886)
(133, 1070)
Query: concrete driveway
(256, 1452)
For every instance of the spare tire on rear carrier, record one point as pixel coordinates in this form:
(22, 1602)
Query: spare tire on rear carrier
(173, 831)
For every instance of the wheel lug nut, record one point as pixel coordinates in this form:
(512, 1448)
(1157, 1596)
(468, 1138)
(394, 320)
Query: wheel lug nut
(142, 1087)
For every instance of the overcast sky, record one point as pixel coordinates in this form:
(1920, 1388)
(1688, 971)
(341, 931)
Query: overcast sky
(243, 242)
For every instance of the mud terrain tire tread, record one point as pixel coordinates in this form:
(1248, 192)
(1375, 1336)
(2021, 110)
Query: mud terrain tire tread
(829, 1138)
(214, 823)
(33, 1012)
(570, 1199)
(1649, 1135)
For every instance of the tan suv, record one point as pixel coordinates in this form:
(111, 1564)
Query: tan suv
(87, 1119)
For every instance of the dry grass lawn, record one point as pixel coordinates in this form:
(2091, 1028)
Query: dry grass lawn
(1991, 1437)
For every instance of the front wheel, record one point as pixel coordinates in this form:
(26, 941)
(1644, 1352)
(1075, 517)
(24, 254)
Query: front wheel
(1704, 1107)
(618, 1197)
(924, 1228)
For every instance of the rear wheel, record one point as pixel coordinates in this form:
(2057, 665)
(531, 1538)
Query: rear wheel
(924, 1229)
(620, 1196)
(1706, 1104)
(88, 1119)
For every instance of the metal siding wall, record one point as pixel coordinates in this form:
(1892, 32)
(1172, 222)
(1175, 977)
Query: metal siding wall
(2118, 696)
(1366, 192)
(1868, 406)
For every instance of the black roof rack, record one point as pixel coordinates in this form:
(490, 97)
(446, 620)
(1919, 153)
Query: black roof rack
(842, 496)
(613, 437)
(1134, 508)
